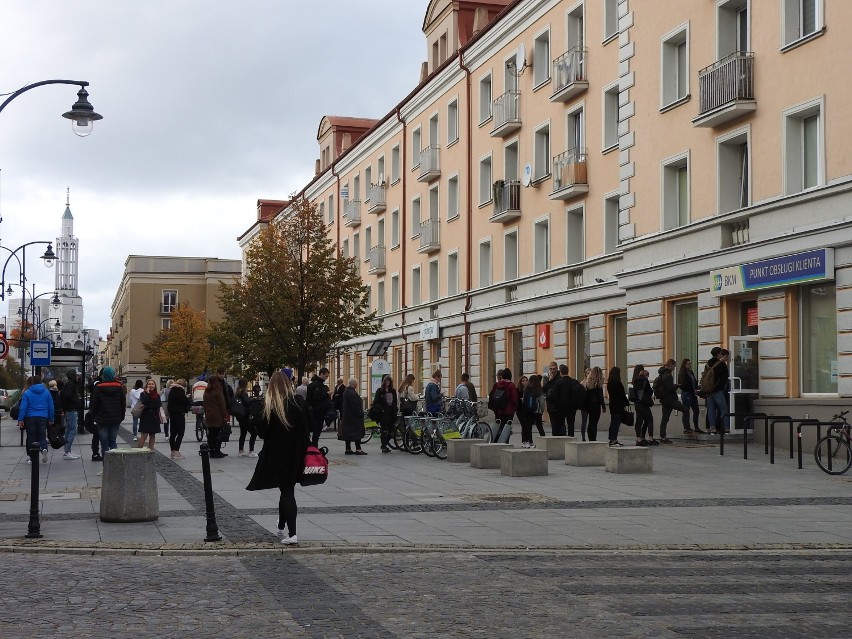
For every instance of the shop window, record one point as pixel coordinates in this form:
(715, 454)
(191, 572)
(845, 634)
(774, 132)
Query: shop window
(818, 323)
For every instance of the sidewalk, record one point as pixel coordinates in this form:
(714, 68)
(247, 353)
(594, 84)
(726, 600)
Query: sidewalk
(694, 498)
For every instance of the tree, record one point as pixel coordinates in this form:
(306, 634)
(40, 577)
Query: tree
(182, 349)
(22, 334)
(296, 301)
(10, 373)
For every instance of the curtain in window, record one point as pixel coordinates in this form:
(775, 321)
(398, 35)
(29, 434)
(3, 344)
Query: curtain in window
(819, 338)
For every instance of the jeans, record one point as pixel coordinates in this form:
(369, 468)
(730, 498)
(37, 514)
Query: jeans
(70, 429)
(716, 407)
(36, 432)
(594, 416)
(135, 426)
(107, 436)
(614, 426)
(690, 402)
(584, 421)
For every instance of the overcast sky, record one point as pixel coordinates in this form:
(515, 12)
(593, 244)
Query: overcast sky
(207, 107)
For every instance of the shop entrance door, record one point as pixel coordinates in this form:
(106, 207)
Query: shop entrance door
(745, 377)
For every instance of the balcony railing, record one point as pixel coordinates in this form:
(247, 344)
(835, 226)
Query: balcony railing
(352, 213)
(506, 111)
(569, 74)
(430, 238)
(507, 200)
(377, 260)
(430, 165)
(570, 176)
(726, 89)
(376, 195)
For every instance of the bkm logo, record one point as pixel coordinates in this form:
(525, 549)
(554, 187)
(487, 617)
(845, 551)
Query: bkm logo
(717, 282)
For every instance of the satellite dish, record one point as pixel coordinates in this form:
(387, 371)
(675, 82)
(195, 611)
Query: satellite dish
(521, 58)
(526, 179)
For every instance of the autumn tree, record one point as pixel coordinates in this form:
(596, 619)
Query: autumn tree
(182, 350)
(297, 300)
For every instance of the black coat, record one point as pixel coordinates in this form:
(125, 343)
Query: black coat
(282, 460)
(352, 415)
(177, 403)
(389, 411)
(617, 397)
(70, 396)
(149, 420)
(107, 405)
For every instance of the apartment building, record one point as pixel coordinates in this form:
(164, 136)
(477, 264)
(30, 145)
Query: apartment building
(608, 183)
(151, 288)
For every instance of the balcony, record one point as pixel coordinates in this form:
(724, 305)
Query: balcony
(506, 111)
(376, 195)
(352, 213)
(726, 90)
(377, 260)
(569, 75)
(570, 176)
(430, 237)
(430, 165)
(507, 201)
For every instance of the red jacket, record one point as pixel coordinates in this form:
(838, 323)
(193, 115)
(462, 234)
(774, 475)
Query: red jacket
(511, 392)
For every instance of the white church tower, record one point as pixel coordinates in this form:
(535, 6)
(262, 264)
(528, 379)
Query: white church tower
(70, 311)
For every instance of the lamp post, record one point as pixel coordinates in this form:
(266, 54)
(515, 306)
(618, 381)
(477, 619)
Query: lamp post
(82, 114)
(35, 325)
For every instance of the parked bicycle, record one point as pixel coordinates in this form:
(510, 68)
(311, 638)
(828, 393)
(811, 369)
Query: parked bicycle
(833, 453)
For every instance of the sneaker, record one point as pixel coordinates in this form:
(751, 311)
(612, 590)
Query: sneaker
(357, 452)
(282, 534)
(531, 445)
(665, 440)
(97, 458)
(44, 456)
(241, 454)
(688, 431)
(290, 541)
(350, 452)
(653, 442)
(385, 449)
(29, 461)
(70, 455)
(524, 445)
(612, 443)
(252, 454)
(642, 442)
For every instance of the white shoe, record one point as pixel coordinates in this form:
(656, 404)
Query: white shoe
(524, 445)
(282, 534)
(70, 455)
(29, 461)
(531, 445)
(290, 541)
(252, 454)
(241, 454)
(44, 456)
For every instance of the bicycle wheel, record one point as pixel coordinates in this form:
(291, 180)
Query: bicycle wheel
(411, 441)
(426, 442)
(199, 428)
(397, 438)
(368, 435)
(833, 455)
(482, 431)
(439, 445)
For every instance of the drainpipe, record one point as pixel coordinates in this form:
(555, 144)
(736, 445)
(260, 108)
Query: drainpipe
(469, 226)
(403, 241)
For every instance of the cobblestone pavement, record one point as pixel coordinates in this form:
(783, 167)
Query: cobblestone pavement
(415, 595)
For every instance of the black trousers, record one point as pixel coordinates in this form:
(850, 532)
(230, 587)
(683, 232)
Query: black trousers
(644, 421)
(287, 509)
(177, 432)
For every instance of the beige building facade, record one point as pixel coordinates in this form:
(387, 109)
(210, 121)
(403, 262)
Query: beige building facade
(151, 288)
(609, 183)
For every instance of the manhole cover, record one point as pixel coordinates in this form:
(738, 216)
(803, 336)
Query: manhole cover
(517, 498)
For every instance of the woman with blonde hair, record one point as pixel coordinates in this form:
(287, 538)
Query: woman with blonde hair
(595, 404)
(285, 428)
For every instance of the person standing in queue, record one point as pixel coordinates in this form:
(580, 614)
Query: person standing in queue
(386, 400)
(149, 420)
(352, 418)
(215, 415)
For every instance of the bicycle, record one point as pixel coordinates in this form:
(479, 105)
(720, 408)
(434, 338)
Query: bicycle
(836, 445)
(200, 424)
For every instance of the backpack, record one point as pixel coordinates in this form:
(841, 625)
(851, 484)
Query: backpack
(708, 380)
(55, 436)
(631, 394)
(255, 413)
(530, 403)
(498, 399)
(238, 407)
(658, 387)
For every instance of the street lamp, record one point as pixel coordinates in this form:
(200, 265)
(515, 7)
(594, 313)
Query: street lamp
(48, 257)
(82, 113)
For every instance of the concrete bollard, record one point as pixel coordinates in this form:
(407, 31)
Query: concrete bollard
(129, 486)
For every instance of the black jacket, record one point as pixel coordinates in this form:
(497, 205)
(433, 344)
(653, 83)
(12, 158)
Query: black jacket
(667, 388)
(389, 411)
(617, 397)
(548, 387)
(282, 460)
(720, 373)
(70, 395)
(107, 405)
(644, 392)
(177, 403)
(563, 395)
(352, 415)
(318, 398)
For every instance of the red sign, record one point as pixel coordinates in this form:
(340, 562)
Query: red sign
(543, 335)
(751, 316)
(4, 347)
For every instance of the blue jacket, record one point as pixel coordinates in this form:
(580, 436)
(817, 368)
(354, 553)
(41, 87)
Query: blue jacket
(36, 402)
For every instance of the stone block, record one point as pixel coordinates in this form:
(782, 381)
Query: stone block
(553, 444)
(628, 459)
(585, 453)
(523, 462)
(458, 450)
(129, 486)
(486, 455)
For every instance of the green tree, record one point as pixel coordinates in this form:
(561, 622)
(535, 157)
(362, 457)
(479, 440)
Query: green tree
(298, 299)
(182, 349)
(10, 373)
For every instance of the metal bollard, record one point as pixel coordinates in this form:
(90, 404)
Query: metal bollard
(34, 528)
(212, 528)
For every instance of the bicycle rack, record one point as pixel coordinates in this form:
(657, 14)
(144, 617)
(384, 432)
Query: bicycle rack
(819, 425)
(749, 418)
(791, 423)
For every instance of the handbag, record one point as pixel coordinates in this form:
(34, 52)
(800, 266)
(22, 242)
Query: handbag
(89, 423)
(225, 432)
(407, 406)
(15, 411)
(238, 408)
(375, 412)
(55, 436)
(163, 417)
(316, 466)
(628, 418)
(137, 409)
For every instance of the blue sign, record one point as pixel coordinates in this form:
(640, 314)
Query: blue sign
(810, 266)
(40, 351)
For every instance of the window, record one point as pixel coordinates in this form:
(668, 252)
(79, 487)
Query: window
(453, 122)
(167, 323)
(485, 182)
(419, 371)
(415, 217)
(610, 18)
(416, 142)
(322, 210)
(346, 247)
(380, 175)
(803, 147)
(395, 293)
(368, 182)
(434, 204)
(611, 223)
(542, 152)
(395, 228)
(170, 301)
(380, 236)
(802, 18)
(453, 197)
(330, 209)
(541, 251)
(510, 256)
(380, 297)
(433, 132)
(574, 231)
(733, 169)
(675, 198)
(434, 284)
(819, 338)
(581, 352)
(488, 371)
(369, 290)
(356, 247)
(485, 99)
(618, 330)
(395, 164)
(452, 274)
(686, 333)
(415, 286)
(484, 264)
(456, 361)
(541, 59)
(732, 28)
(368, 242)
(576, 127)
(610, 116)
(675, 66)
(515, 341)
